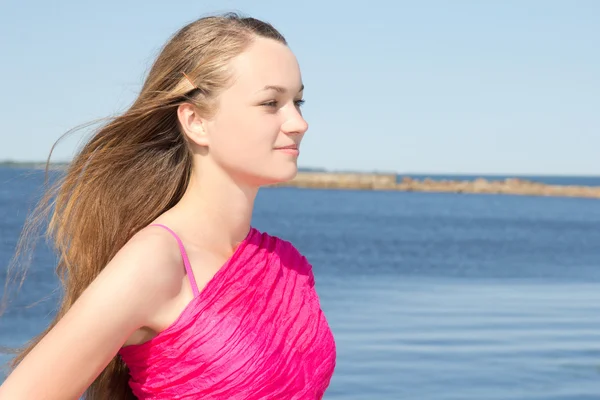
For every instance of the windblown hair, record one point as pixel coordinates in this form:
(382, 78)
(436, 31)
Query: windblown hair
(134, 167)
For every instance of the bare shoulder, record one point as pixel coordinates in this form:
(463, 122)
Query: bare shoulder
(150, 262)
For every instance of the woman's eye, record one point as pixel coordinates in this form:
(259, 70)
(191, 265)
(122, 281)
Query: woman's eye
(273, 103)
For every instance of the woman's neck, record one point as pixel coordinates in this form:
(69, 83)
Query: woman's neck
(214, 212)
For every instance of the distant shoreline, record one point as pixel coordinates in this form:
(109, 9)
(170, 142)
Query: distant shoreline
(33, 164)
(317, 178)
(405, 183)
(464, 175)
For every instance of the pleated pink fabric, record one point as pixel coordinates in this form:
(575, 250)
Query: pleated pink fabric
(255, 331)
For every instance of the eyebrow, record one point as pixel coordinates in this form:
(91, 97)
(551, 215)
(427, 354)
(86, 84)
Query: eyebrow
(279, 89)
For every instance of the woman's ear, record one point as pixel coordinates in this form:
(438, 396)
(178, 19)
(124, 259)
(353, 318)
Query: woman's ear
(193, 125)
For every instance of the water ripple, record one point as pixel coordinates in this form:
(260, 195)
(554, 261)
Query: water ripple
(446, 339)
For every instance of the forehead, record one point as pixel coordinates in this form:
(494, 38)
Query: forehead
(265, 62)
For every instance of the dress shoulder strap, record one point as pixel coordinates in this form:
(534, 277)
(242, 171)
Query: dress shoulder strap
(186, 261)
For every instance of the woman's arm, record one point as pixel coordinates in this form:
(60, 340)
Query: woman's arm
(123, 298)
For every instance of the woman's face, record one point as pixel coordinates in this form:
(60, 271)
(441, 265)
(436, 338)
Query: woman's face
(258, 115)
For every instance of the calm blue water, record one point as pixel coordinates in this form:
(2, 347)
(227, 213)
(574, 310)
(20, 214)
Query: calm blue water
(430, 296)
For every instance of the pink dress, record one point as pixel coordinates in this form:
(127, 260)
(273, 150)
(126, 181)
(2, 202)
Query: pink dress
(256, 331)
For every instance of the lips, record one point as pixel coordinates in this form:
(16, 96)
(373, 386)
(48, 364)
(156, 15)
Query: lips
(291, 146)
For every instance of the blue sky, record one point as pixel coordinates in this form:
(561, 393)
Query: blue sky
(507, 87)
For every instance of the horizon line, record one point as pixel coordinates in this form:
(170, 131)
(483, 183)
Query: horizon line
(372, 171)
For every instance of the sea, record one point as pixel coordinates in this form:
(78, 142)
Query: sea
(430, 296)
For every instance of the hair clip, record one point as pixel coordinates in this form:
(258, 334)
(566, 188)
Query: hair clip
(189, 80)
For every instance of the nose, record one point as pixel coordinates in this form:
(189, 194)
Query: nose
(294, 124)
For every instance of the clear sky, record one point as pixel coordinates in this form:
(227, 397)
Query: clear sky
(507, 87)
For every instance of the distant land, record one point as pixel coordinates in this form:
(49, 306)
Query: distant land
(320, 178)
(32, 164)
(466, 175)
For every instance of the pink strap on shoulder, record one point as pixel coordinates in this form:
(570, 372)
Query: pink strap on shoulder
(186, 261)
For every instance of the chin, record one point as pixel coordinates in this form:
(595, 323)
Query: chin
(288, 177)
(284, 174)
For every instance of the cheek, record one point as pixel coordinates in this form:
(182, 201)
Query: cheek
(248, 129)
(243, 135)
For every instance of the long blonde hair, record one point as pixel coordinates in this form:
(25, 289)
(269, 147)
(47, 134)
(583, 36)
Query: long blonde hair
(135, 167)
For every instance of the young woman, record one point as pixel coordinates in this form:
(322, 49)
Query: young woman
(169, 292)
